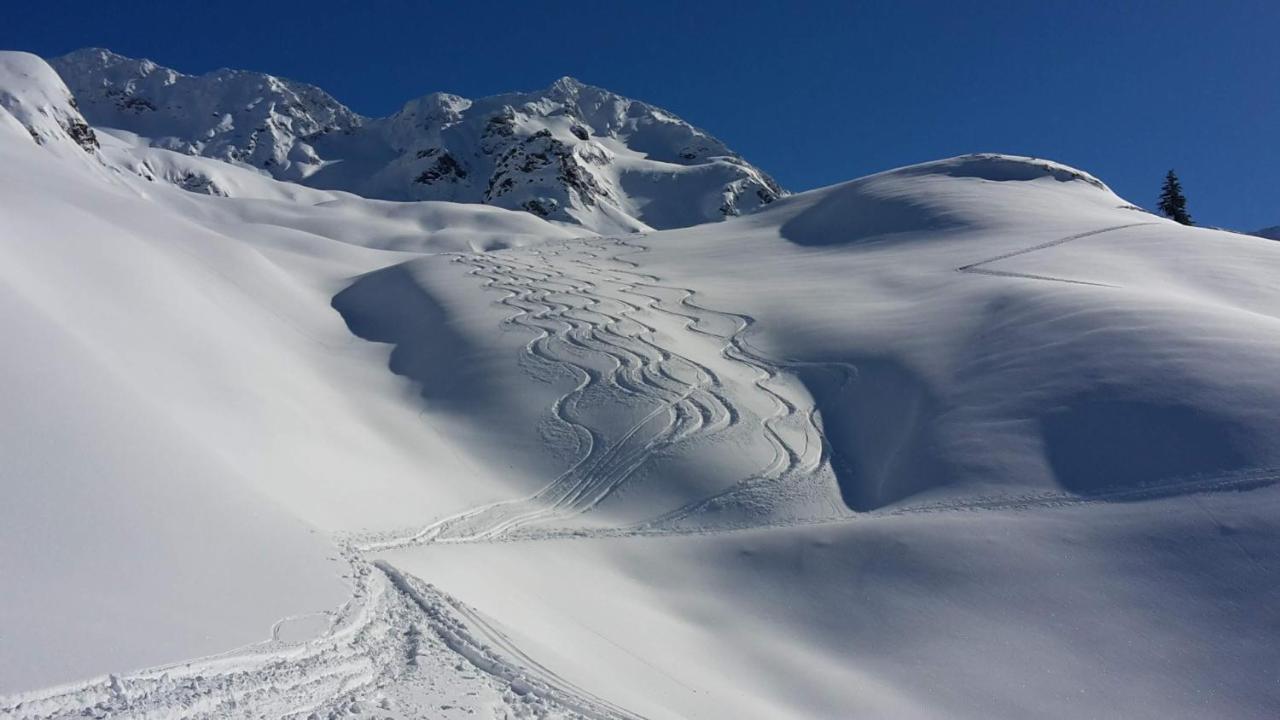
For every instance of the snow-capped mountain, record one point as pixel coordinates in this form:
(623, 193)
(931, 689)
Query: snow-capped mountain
(570, 153)
(994, 443)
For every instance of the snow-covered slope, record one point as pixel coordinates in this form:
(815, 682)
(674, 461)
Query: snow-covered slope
(981, 327)
(35, 100)
(1001, 445)
(174, 384)
(974, 438)
(571, 153)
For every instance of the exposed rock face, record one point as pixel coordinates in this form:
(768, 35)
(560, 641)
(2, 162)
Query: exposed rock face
(572, 152)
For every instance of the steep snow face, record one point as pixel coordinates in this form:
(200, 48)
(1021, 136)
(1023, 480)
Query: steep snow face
(571, 153)
(34, 99)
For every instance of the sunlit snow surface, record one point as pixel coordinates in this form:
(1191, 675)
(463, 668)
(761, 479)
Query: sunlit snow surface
(974, 438)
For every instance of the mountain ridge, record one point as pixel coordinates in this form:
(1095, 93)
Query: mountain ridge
(571, 152)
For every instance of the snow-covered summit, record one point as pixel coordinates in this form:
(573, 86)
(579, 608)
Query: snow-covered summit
(571, 152)
(952, 194)
(1001, 167)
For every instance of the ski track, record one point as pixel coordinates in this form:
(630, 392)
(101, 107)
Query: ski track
(593, 316)
(976, 268)
(395, 636)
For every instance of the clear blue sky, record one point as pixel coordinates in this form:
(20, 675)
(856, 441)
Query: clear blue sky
(815, 93)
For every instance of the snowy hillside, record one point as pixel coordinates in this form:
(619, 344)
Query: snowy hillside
(570, 153)
(36, 101)
(968, 439)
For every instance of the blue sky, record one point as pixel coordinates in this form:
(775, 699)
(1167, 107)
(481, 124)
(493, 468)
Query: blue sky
(815, 93)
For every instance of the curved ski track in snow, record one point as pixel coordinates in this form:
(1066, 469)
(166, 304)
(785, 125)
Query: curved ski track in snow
(592, 316)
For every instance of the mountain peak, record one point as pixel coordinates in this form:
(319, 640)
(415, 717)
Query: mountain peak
(97, 54)
(567, 85)
(104, 58)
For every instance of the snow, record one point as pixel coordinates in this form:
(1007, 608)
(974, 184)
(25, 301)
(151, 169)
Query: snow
(170, 394)
(1142, 610)
(35, 101)
(972, 438)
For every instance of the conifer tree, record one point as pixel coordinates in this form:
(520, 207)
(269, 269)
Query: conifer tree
(1172, 202)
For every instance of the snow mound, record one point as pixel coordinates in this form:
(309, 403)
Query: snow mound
(920, 201)
(997, 167)
(1016, 328)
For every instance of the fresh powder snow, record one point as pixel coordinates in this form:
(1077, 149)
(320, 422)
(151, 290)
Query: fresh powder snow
(548, 405)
